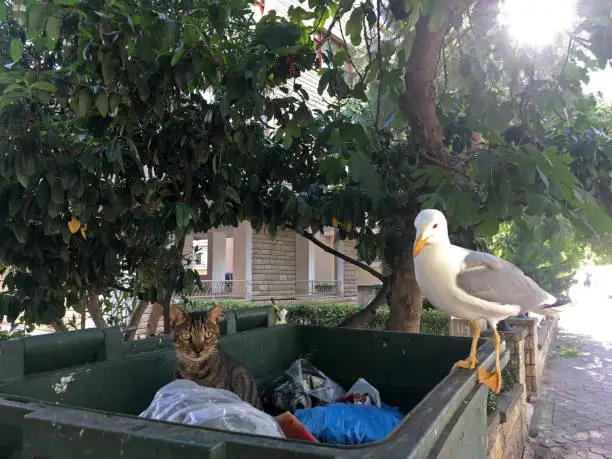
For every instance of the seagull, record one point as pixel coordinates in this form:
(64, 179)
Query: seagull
(472, 286)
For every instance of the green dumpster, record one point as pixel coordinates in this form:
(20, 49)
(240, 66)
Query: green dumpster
(78, 394)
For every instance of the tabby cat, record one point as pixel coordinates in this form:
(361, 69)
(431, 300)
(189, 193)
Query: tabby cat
(200, 359)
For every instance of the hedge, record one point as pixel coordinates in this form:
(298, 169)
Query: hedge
(433, 322)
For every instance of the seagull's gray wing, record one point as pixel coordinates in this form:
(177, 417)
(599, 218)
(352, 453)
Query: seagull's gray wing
(490, 278)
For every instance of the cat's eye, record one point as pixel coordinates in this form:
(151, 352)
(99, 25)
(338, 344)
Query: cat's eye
(185, 335)
(208, 335)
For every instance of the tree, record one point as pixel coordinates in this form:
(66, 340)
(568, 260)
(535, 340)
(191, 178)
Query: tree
(433, 80)
(552, 263)
(113, 148)
(169, 118)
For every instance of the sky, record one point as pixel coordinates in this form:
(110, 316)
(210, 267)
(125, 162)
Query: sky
(542, 26)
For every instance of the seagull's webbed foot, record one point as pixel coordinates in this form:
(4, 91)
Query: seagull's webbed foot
(492, 380)
(469, 363)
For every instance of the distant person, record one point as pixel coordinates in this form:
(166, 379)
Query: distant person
(587, 280)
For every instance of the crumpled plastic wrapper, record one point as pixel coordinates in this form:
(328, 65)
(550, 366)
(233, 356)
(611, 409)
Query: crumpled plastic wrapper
(186, 402)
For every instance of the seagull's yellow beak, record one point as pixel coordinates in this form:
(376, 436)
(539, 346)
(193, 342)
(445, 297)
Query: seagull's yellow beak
(418, 245)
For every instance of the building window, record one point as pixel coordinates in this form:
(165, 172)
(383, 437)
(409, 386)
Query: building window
(200, 256)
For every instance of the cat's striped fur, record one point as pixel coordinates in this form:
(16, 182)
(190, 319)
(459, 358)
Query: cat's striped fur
(200, 359)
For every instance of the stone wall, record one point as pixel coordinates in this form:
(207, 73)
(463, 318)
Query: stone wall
(350, 271)
(366, 293)
(537, 345)
(507, 431)
(462, 327)
(273, 265)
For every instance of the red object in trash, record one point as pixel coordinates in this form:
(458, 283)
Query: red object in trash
(293, 429)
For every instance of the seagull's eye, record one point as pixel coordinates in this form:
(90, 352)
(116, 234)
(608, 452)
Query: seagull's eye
(435, 226)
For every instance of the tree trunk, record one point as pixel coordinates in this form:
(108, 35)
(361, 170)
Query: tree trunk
(156, 313)
(419, 99)
(59, 326)
(135, 319)
(362, 318)
(404, 297)
(93, 307)
(166, 311)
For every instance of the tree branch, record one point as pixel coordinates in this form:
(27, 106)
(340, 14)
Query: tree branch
(419, 100)
(365, 316)
(340, 255)
(135, 318)
(339, 13)
(380, 64)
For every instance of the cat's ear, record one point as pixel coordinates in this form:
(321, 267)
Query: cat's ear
(214, 314)
(177, 315)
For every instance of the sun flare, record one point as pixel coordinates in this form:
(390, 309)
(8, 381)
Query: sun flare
(538, 23)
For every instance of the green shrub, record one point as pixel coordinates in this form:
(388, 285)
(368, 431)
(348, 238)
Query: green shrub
(433, 322)
(6, 335)
(510, 376)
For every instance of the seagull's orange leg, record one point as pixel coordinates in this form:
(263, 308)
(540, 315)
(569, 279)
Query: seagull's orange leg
(492, 380)
(470, 362)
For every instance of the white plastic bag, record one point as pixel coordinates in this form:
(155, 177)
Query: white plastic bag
(186, 402)
(314, 381)
(361, 386)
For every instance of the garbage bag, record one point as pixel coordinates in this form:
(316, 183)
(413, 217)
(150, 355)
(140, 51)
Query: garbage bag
(364, 393)
(186, 402)
(315, 382)
(285, 394)
(343, 424)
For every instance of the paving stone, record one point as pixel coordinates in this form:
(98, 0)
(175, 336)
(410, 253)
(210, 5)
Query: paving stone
(580, 389)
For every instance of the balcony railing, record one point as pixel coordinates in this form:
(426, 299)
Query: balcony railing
(221, 289)
(239, 289)
(318, 288)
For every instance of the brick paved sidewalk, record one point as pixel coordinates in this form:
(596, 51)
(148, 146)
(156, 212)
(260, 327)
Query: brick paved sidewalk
(576, 419)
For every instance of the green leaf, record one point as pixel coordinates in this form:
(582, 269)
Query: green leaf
(22, 176)
(363, 171)
(232, 194)
(16, 50)
(84, 101)
(189, 279)
(489, 226)
(57, 193)
(14, 87)
(353, 26)
(177, 56)
(36, 16)
(324, 81)
(44, 86)
(254, 183)
(276, 35)
(183, 214)
(2, 10)
(191, 35)
(109, 68)
(102, 103)
(54, 26)
(43, 194)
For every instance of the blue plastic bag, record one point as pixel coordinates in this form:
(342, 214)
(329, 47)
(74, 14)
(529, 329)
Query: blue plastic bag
(342, 424)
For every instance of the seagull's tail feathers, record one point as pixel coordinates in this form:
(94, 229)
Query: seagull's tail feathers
(561, 301)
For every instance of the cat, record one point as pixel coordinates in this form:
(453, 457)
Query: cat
(200, 359)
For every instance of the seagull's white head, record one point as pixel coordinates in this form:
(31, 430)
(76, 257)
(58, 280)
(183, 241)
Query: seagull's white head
(431, 228)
